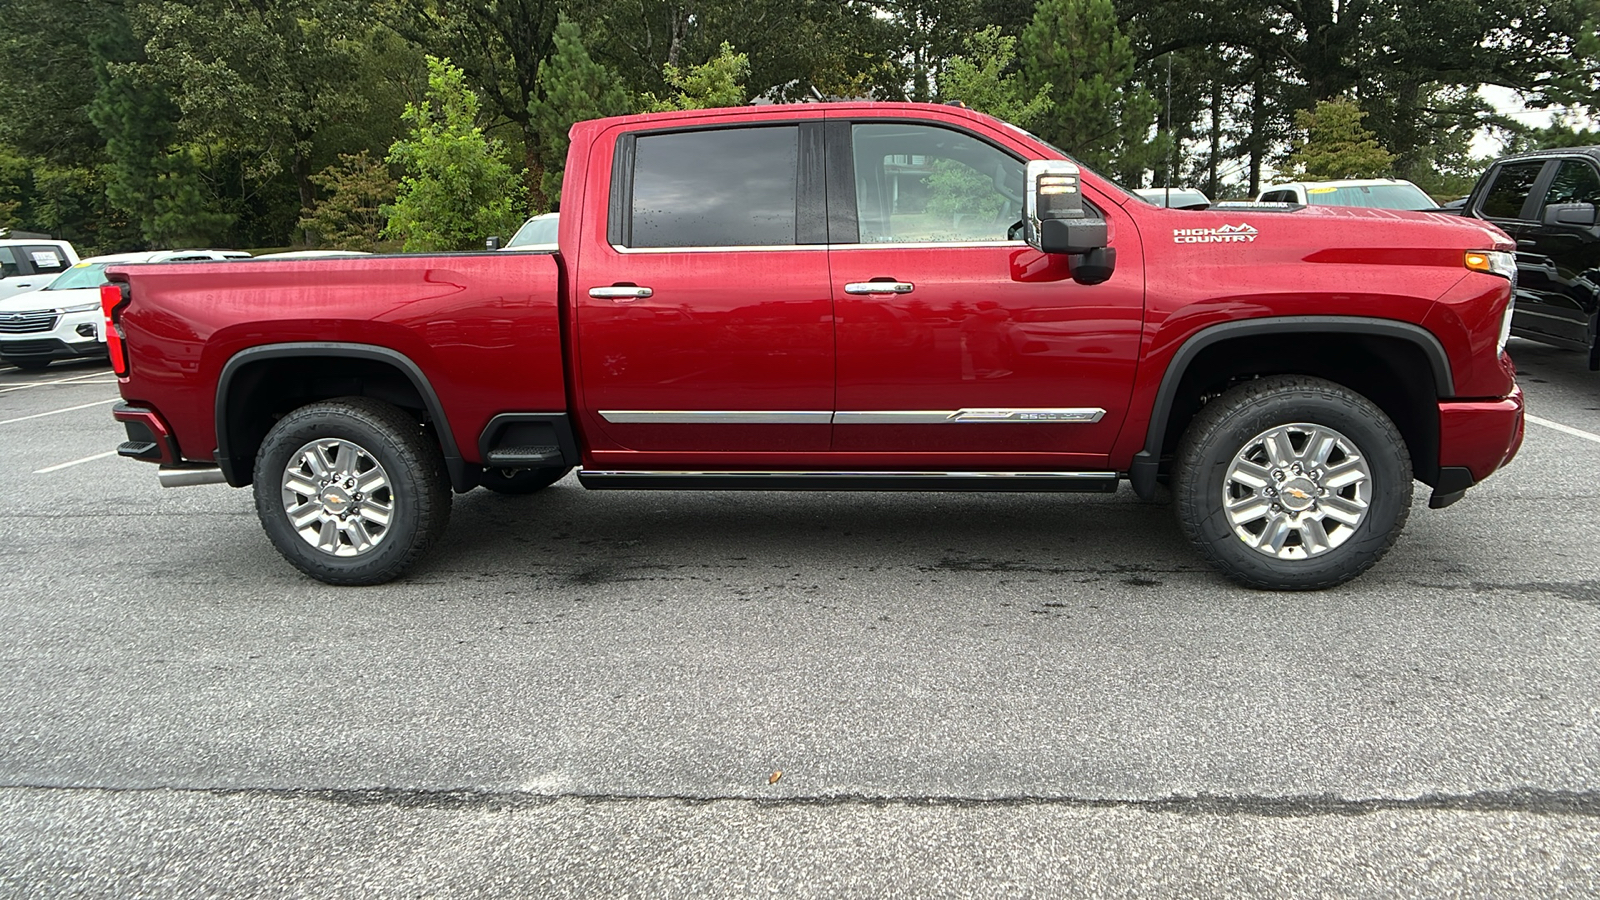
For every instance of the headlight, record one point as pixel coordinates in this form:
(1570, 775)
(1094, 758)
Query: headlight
(81, 307)
(1504, 264)
(1494, 262)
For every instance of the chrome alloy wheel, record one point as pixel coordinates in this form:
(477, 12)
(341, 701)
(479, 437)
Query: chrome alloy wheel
(1297, 491)
(337, 497)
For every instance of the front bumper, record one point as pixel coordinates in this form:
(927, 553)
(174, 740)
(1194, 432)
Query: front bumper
(1476, 437)
(51, 348)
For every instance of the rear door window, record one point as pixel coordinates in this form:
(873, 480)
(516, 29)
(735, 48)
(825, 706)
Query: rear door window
(1575, 182)
(47, 260)
(725, 187)
(1509, 192)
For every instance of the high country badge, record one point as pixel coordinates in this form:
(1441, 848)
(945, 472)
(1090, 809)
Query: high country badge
(1227, 234)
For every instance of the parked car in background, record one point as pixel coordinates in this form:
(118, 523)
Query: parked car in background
(1377, 193)
(538, 233)
(1547, 201)
(62, 320)
(28, 265)
(1175, 198)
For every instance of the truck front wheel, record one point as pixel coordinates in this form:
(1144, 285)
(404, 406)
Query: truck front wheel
(351, 491)
(1292, 483)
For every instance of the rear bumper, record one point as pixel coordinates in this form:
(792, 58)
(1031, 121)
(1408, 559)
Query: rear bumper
(1475, 438)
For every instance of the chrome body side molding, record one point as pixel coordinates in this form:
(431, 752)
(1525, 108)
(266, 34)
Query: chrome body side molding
(1036, 415)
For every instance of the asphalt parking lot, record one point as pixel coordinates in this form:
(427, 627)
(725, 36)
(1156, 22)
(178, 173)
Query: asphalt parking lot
(591, 694)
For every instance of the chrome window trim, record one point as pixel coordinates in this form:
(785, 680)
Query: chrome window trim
(1026, 416)
(885, 245)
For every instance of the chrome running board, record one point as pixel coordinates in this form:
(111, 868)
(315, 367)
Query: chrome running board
(1076, 482)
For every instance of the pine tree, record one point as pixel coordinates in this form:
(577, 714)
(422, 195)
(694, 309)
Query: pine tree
(575, 88)
(977, 78)
(1335, 145)
(1098, 113)
(717, 82)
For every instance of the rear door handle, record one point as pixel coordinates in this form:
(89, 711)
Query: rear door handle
(621, 292)
(879, 287)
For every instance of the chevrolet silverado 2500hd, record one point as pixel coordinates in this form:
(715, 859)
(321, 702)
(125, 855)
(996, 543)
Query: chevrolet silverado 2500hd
(845, 297)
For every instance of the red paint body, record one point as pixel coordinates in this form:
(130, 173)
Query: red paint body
(996, 326)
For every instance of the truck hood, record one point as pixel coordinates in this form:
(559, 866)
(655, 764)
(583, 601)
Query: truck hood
(1327, 227)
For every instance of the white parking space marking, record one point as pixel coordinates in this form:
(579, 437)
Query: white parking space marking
(77, 462)
(57, 412)
(1565, 429)
(76, 379)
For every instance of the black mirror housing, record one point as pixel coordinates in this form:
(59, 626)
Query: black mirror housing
(1072, 235)
(492, 243)
(1580, 214)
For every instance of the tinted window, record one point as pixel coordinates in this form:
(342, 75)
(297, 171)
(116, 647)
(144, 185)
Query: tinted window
(47, 259)
(8, 263)
(1575, 182)
(919, 183)
(1279, 197)
(723, 188)
(1510, 189)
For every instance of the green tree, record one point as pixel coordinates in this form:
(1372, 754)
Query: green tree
(575, 88)
(258, 79)
(1335, 145)
(979, 80)
(350, 214)
(717, 82)
(500, 46)
(456, 190)
(1076, 49)
(149, 177)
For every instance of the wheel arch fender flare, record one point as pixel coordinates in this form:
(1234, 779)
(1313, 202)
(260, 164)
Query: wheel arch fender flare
(1146, 466)
(460, 477)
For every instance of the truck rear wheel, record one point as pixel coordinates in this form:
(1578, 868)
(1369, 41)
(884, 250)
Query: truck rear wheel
(1292, 483)
(351, 491)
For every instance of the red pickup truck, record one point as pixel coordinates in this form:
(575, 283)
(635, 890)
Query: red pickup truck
(845, 297)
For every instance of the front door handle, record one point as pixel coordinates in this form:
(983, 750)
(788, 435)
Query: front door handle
(879, 287)
(621, 292)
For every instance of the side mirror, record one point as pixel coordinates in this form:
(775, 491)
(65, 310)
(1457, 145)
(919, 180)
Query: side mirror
(1581, 214)
(1055, 220)
(492, 243)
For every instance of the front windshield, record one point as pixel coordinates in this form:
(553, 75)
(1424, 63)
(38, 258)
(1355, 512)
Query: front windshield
(1376, 196)
(82, 275)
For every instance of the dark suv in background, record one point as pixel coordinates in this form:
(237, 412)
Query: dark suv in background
(1547, 201)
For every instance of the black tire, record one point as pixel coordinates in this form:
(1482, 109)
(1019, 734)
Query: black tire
(413, 498)
(27, 364)
(522, 481)
(1222, 435)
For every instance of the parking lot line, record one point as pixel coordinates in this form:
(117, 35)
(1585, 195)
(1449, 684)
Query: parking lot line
(77, 462)
(1565, 429)
(57, 412)
(76, 379)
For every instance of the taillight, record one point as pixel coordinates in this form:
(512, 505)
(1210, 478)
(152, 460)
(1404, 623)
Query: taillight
(113, 297)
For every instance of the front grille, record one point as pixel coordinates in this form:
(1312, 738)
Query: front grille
(28, 322)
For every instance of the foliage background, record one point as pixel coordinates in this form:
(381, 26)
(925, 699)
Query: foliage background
(132, 124)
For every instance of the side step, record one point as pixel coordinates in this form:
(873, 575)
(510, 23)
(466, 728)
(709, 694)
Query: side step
(1074, 482)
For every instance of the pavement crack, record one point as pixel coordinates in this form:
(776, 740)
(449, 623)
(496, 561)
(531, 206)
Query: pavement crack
(1529, 801)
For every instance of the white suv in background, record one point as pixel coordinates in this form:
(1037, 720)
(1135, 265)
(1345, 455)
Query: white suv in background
(62, 320)
(28, 265)
(1378, 193)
